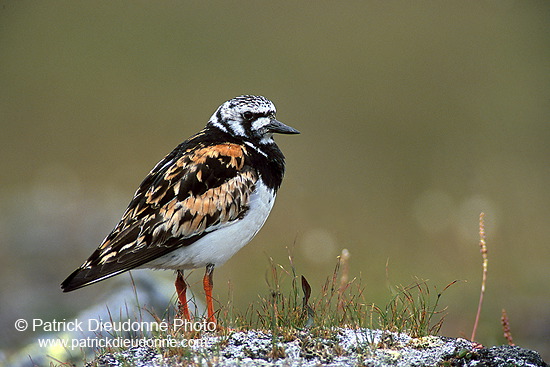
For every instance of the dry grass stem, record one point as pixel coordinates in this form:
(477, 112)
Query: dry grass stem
(483, 249)
(344, 277)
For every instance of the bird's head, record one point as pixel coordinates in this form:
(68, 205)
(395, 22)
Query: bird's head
(251, 118)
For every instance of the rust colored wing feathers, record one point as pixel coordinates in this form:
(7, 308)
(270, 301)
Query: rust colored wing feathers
(186, 195)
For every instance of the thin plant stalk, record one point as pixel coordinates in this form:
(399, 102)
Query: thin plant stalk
(483, 249)
(506, 327)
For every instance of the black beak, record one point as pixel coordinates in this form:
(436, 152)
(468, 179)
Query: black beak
(278, 127)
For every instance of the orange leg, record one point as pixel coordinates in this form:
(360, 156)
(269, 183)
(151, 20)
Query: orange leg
(181, 289)
(208, 284)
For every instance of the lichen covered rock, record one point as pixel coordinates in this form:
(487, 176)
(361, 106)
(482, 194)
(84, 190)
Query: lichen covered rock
(339, 348)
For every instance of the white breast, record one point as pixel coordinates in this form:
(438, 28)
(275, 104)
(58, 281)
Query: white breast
(218, 246)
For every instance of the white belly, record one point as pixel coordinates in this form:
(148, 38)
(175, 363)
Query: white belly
(218, 246)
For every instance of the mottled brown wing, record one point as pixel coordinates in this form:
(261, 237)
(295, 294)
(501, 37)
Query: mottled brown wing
(188, 194)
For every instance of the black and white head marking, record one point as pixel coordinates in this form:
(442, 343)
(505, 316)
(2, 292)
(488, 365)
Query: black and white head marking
(251, 118)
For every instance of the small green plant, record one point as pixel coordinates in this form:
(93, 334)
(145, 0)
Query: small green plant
(413, 310)
(289, 305)
(341, 303)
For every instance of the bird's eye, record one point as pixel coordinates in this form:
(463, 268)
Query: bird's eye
(248, 115)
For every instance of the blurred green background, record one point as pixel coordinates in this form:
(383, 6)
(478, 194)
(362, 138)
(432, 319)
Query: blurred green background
(415, 116)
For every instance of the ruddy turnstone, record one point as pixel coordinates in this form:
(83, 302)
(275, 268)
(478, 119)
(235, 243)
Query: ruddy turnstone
(200, 204)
